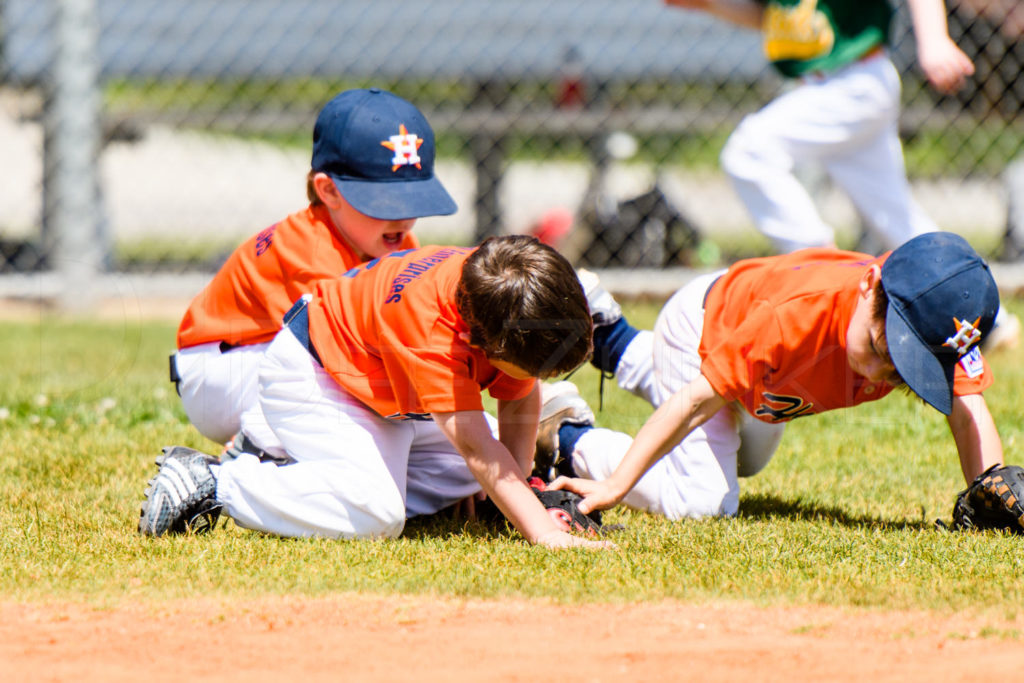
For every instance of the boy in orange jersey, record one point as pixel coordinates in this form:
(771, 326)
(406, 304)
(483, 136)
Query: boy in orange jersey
(369, 407)
(371, 177)
(737, 354)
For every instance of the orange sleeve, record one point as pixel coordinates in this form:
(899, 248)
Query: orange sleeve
(505, 388)
(246, 299)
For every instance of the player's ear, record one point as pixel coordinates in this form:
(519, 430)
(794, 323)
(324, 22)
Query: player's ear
(869, 280)
(326, 190)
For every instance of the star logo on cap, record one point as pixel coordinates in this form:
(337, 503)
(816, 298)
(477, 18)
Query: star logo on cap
(406, 147)
(967, 334)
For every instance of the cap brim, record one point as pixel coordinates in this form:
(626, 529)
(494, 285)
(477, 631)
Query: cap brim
(923, 372)
(393, 201)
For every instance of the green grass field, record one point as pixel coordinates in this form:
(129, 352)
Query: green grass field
(843, 515)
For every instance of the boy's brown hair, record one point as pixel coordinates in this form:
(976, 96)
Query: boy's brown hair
(879, 312)
(314, 198)
(524, 305)
(880, 306)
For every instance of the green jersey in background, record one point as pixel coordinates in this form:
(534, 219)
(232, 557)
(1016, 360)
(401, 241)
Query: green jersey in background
(806, 36)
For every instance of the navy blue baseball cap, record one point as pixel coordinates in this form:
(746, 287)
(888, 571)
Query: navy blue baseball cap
(379, 150)
(942, 303)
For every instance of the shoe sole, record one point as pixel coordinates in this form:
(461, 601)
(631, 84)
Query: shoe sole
(565, 396)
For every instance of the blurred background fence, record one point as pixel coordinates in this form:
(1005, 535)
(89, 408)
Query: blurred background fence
(152, 136)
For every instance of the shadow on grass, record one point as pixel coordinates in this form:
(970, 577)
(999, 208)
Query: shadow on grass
(446, 523)
(754, 507)
(766, 506)
(438, 526)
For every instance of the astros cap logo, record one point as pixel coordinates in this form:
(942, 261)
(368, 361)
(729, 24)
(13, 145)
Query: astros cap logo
(406, 147)
(967, 334)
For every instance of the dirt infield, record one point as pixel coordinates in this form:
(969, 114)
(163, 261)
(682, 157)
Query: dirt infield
(398, 638)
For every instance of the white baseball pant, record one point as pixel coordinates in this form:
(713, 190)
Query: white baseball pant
(355, 475)
(848, 123)
(217, 387)
(699, 477)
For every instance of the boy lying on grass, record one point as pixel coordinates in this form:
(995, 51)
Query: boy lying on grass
(735, 355)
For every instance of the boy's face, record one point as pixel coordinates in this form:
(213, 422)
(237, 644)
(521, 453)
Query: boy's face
(370, 237)
(867, 351)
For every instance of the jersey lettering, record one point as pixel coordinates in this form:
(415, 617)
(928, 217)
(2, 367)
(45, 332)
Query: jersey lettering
(414, 270)
(791, 407)
(265, 239)
(419, 417)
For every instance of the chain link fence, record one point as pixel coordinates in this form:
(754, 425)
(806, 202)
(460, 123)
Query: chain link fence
(152, 136)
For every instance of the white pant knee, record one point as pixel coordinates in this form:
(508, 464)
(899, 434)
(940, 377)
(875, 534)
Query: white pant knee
(760, 167)
(307, 500)
(758, 443)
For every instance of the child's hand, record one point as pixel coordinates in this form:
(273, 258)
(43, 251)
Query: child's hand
(689, 4)
(560, 539)
(597, 495)
(944, 64)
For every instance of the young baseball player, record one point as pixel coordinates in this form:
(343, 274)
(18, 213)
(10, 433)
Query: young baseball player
(735, 355)
(372, 176)
(841, 113)
(369, 406)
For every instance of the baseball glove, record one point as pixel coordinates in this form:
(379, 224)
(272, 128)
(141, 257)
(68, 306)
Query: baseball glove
(561, 505)
(994, 500)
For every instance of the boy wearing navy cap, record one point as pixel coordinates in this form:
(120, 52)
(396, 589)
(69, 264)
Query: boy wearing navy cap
(735, 355)
(371, 177)
(369, 408)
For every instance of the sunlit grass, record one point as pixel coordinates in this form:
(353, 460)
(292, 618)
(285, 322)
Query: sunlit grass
(843, 515)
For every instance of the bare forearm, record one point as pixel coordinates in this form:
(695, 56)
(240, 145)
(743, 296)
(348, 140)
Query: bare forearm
(929, 20)
(497, 471)
(944, 64)
(517, 428)
(974, 432)
(746, 13)
(519, 505)
(499, 476)
(502, 480)
(686, 410)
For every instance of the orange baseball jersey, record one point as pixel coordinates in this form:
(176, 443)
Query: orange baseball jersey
(248, 297)
(774, 336)
(390, 334)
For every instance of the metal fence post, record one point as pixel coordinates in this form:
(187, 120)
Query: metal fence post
(72, 221)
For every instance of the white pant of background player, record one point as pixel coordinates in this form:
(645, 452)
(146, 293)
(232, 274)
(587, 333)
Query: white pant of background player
(356, 475)
(848, 123)
(699, 477)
